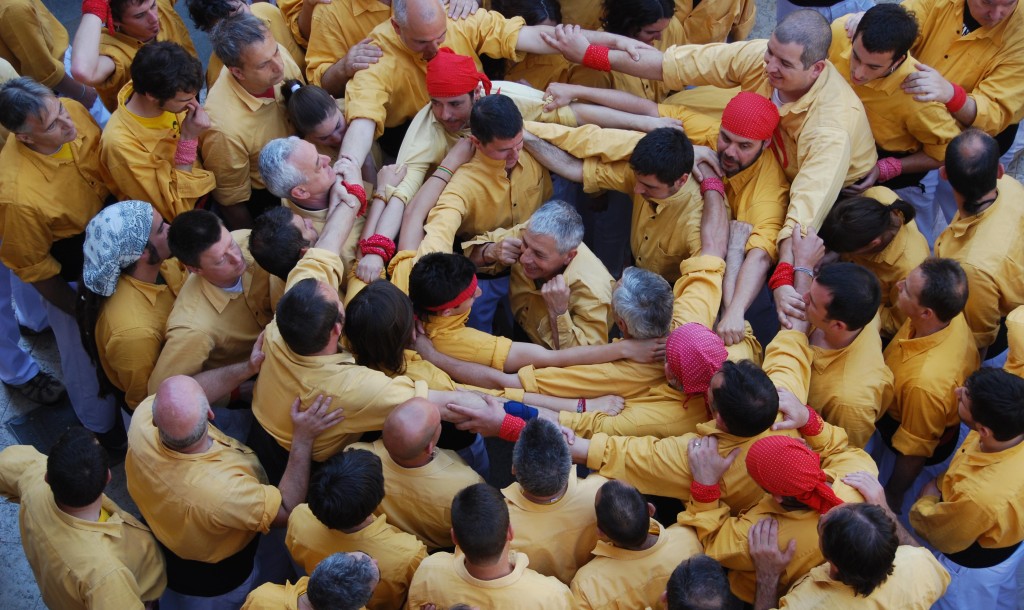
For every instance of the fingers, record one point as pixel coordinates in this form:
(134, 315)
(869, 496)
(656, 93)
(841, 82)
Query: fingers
(729, 459)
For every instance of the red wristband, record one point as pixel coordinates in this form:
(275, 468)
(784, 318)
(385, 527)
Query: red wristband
(958, 100)
(581, 405)
(596, 58)
(704, 493)
(814, 423)
(511, 426)
(359, 193)
(888, 168)
(712, 183)
(783, 276)
(100, 8)
(379, 245)
(185, 153)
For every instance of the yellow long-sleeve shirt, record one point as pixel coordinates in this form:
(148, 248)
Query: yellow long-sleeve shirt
(337, 27)
(1015, 338)
(716, 20)
(278, 26)
(33, 41)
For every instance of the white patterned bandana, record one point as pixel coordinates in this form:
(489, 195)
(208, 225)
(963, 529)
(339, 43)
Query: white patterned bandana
(114, 239)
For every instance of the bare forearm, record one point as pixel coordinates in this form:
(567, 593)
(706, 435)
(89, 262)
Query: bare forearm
(358, 139)
(550, 403)
(969, 113)
(295, 480)
(471, 372)
(905, 470)
(220, 382)
(85, 51)
(236, 216)
(523, 354)
(306, 19)
(415, 213)
(338, 226)
(767, 595)
(619, 100)
(919, 162)
(390, 220)
(555, 159)
(334, 79)
(749, 279)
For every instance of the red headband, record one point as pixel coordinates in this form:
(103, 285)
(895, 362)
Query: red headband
(452, 75)
(458, 300)
(750, 115)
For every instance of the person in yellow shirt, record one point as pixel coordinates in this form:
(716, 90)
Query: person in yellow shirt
(541, 70)
(634, 556)
(339, 42)
(246, 112)
(342, 580)
(968, 512)
(84, 550)
(698, 582)
(149, 147)
(484, 572)
(984, 236)
(651, 22)
(1015, 339)
(715, 21)
(931, 356)
(338, 517)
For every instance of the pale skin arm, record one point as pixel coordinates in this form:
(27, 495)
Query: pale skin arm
(769, 561)
(381, 219)
(917, 162)
(869, 487)
(535, 39)
(87, 65)
(341, 215)
(553, 158)
(609, 108)
(358, 139)
(751, 277)
(572, 44)
(523, 354)
(415, 213)
(308, 425)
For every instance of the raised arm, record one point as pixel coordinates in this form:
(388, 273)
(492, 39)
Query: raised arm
(553, 158)
(87, 65)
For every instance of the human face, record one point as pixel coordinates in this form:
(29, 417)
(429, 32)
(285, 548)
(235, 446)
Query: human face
(540, 258)
(909, 293)
(784, 69)
(50, 130)
(989, 13)
(651, 33)
(158, 238)
(316, 168)
(452, 112)
(180, 102)
(963, 407)
(866, 66)
(503, 150)
(140, 21)
(817, 299)
(329, 132)
(262, 67)
(736, 153)
(649, 187)
(306, 228)
(222, 263)
(423, 36)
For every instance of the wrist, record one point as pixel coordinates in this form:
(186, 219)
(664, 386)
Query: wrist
(712, 183)
(783, 276)
(596, 58)
(957, 101)
(703, 492)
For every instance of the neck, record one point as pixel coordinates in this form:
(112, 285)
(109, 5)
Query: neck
(500, 568)
(249, 88)
(89, 512)
(38, 149)
(991, 445)
(200, 446)
(788, 97)
(303, 603)
(140, 105)
(650, 541)
(314, 203)
(366, 523)
(145, 272)
(544, 499)
(985, 200)
(416, 462)
(833, 339)
(923, 328)
(226, 285)
(331, 348)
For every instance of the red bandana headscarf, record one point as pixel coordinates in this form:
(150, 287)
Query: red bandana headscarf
(753, 116)
(452, 75)
(785, 466)
(694, 354)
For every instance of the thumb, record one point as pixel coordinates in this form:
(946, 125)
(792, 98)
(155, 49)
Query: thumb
(790, 550)
(729, 459)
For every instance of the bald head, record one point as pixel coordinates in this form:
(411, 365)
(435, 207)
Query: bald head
(419, 10)
(808, 29)
(411, 428)
(180, 412)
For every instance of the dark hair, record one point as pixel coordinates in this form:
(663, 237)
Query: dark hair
(853, 222)
(233, 35)
(208, 13)
(480, 522)
(495, 117)
(972, 166)
(437, 278)
(860, 540)
(379, 327)
(628, 17)
(533, 12)
(665, 153)
(275, 242)
(20, 99)
(747, 399)
(308, 105)
(698, 583)
(119, 7)
(346, 489)
(856, 293)
(997, 401)
(887, 28)
(541, 459)
(810, 30)
(192, 233)
(945, 287)
(305, 318)
(77, 468)
(622, 514)
(162, 69)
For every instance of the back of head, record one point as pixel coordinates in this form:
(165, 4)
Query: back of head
(305, 318)
(180, 412)
(275, 243)
(622, 514)
(115, 239)
(21, 99)
(628, 17)
(308, 106)
(419, 9)
(997, 402)
(193, 233)
(436, 279)
(972, 166)
(860, 540)
(887, 28)
(643, 299)
(698, 583)
(77, 468)
(856, 294)
(854, 222)
(495, 117)
(380, 326)
(534, 12)
(276, 167)
(480, 523)
(541, 459)
(808, 29)
(208, 13)
(232, 36)
(346, 489)
(746, 400)
(665, 153)
(693, 354)
(342, 581)
(560, 221)
(787, 467)
(165, 69)
(945, 287)
(410, 429)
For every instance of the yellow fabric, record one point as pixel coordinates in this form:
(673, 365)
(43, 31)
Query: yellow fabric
(398, 554)
(63, 153)
(335, 28)
(419, 500)
(990, 248)
(319, 219)
(988, 62)
(130, 329)
(653, 90)
(451, 336)
(79, 564)
(589, 316)
(270, 15)
(443, 580)
(661, 413)
(291, 10)
(240, 126)
(33, 41)
(394, 89)
(621, 377)
(366, 395)
(7, 72)
(851, 386)
(926, 372)
(787, 362)
(43, 199)
(121, 50)
(203, 506)
(715, 20)
(981, 497)
(427, 141)
(582, 13)
(823, 132)
(558, 536)
(916, 582)
(1015, 337)
(276, 597)
(481, 197)
(139, 163)
(624, 579)
(542, 70)
(209, 327)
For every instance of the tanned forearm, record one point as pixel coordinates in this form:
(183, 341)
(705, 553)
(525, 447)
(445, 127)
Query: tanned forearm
(555, 159)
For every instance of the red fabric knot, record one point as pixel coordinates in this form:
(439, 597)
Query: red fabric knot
(378, 244)
(357, 191)
(752, 116)
(694, 354)
(452, 75)
(785, 466)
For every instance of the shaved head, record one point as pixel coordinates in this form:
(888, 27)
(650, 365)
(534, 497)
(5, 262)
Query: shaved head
(420, 10)
(180, 412)
(410, 428)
